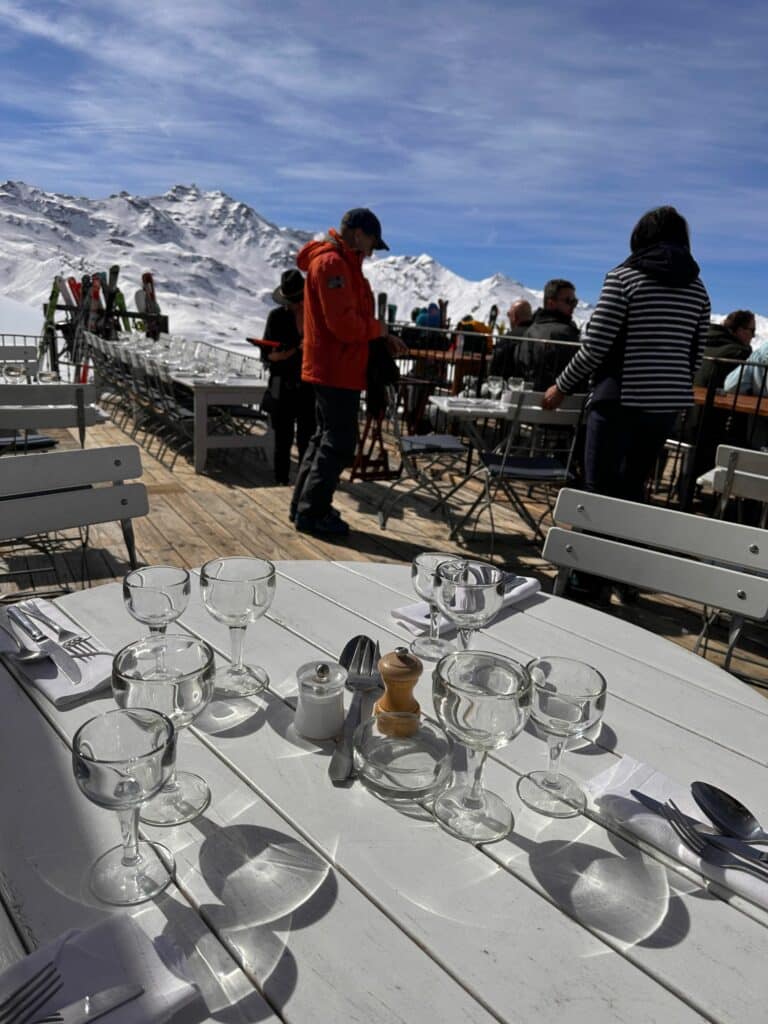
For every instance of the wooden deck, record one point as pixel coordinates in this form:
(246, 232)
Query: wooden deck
(234, 509)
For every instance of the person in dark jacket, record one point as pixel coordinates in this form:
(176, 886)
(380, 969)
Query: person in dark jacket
(505, 362)
(553, 321)
(292, 402)
(732, 339)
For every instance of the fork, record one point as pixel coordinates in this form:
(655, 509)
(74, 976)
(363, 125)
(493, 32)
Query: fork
(22, 1004)
(699, 843)
(63, 633)
(362, 677)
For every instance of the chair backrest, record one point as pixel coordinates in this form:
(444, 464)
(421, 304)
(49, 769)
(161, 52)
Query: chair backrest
(45, 406)
(60, 490)
(740, 473)
(568, 414)
(661, 549)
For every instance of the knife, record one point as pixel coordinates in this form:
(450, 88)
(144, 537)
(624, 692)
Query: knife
(340, 766)
(726, 843)
(89, 1008)
(52, 650)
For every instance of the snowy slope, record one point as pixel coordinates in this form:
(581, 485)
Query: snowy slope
(215, 260)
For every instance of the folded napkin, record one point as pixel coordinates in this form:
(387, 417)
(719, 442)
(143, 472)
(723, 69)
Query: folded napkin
(610, 797)
(115, 952)
(96, 669)
(415, 617)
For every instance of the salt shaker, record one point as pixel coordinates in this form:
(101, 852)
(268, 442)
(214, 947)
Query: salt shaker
(400, 671)
(320, 707)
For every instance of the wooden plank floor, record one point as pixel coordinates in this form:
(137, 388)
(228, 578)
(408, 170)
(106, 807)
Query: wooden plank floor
(234, 509)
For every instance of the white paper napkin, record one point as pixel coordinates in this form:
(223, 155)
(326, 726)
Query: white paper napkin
(114, 952)
(415, 617)
(96, 669)
(610, 797)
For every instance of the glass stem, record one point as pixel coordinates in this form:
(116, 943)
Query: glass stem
(556, 745)
(129, 830)
(237, 639)
(434, 622)
(474, 798)
(160, 656)
(465, 636)
(171, 785)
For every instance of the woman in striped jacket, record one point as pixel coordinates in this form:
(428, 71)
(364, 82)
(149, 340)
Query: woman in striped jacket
(641, 350)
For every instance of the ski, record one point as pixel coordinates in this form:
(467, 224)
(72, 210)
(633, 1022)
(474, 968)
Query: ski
(493, 316)
(110, 293)
(443, 304)
(381, 306)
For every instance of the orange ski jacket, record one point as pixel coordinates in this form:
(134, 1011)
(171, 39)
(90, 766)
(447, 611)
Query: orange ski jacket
(339, 316)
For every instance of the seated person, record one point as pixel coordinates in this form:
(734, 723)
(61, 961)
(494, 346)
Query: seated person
(504, 361)
(477, 335)
(551, 322)
(749, 379)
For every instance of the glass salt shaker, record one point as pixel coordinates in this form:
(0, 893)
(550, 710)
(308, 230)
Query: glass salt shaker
(320, 707)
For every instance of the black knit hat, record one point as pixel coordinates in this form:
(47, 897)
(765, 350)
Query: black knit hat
(367, 221)
(291, 287)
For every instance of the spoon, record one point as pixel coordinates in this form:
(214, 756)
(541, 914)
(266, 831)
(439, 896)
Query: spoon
(728, 813)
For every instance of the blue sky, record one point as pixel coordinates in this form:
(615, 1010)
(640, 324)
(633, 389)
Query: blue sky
(525, 138)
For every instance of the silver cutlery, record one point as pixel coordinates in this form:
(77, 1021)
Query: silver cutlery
(63, 633)
(362, 657)
(728, 843)
(728, 814)
(89, 1008)
(699, 844)
(54, 651)
(24, 1002)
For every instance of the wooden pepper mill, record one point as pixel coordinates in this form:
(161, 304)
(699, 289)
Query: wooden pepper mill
(400, 671)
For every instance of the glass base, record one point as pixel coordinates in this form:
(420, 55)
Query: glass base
(174, 805)
(244, 682)
(123, 885)
(431, 648)
(476, 821)
(563, 800)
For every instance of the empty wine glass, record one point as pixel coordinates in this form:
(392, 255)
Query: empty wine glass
(568, 700)
(469, 593)
(173, 674)
(14, 373)
(156, 595)
(483, 700)
(121, 759)
(48, 377)
(495, 387)
(237, 591)
(423, 570)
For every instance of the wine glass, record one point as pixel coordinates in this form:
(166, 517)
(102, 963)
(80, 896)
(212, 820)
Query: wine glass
(172, 674)
(568, 700)
(495, 387)
(48, 377)
(14, 373)
(423, 570)
(121, 759)
(237, 591)
(469, 593)
(156, 595)
(483, 700)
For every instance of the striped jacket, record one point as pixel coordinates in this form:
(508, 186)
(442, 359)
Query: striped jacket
(663, 329)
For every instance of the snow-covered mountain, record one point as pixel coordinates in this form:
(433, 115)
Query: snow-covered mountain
(215, 260)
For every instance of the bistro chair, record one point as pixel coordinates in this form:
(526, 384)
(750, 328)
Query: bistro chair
(26, 407)
(665, 551)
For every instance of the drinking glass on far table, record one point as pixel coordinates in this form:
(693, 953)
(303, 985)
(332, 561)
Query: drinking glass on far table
(172, 674)
(568, 700)
(237, 591)
(495, 387)
(469, 593)
(423, 570)
(156, 595)
(120, 760)
(47, 377)
(14, 373)
(483, 700)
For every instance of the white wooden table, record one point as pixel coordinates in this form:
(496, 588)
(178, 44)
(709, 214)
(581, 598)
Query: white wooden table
(298, 901)
(239, 391)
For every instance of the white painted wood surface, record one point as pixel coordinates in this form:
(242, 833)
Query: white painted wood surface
(331, 905)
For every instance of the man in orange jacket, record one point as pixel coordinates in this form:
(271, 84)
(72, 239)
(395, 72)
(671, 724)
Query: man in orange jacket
(339, 323)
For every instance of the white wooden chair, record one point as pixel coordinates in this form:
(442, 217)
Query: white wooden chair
(24, 356)
(47, 493)
(741, 473)
(662, 550)
(28, 407)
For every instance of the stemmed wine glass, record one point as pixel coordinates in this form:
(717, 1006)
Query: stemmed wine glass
(237, 591)
(568, 701)
(120, 760)
(483, 700)
(423, 570)
(469, 593)
(156, 595)
(172, 674)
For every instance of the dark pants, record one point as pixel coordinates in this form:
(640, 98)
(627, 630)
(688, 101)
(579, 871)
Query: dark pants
(331, 449)
(294, 416)
(621, 448)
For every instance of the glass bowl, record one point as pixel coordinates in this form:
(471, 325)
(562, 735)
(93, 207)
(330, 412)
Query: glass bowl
(400, 756)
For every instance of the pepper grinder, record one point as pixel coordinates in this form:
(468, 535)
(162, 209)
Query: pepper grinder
(400, 671)
(320, 707)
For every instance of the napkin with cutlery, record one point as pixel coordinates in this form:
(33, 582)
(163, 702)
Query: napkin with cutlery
(112, 953)
(96, 668)
(415, 617)
(610, 796)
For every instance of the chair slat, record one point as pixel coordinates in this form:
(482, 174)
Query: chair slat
(749, 461)
(27, 515)
(53, 471)
(48, 394)
(48, 417)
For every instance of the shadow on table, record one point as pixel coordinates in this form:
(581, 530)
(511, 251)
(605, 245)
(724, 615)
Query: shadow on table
(623, 894)
(232, 717)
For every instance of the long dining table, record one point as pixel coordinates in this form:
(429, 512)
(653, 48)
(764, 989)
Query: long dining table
(294, 900)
